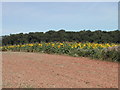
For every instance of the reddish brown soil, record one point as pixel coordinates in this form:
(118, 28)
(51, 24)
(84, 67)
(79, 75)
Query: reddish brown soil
(35, 70)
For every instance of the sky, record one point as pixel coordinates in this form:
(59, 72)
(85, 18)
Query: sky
(24, 17)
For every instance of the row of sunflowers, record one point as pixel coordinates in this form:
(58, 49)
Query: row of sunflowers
(61, 45)
(94, 50)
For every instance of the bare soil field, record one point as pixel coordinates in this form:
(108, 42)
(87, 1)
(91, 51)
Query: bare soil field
(36, 70)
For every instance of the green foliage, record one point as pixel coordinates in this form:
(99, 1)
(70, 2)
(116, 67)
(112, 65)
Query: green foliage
(111, 53)
(63, 36)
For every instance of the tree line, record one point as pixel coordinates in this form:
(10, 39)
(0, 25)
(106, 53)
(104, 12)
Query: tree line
(63, 36)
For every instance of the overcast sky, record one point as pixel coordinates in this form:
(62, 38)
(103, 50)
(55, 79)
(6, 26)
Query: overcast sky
(43, 16)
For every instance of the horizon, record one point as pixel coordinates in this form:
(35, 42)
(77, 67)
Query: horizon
(56, 31)
(25, 17)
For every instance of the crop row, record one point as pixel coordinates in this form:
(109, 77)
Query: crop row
(93, 50)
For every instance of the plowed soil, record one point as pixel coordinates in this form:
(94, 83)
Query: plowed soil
(36, 70)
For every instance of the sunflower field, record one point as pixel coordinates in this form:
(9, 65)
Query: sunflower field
(93, 50)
